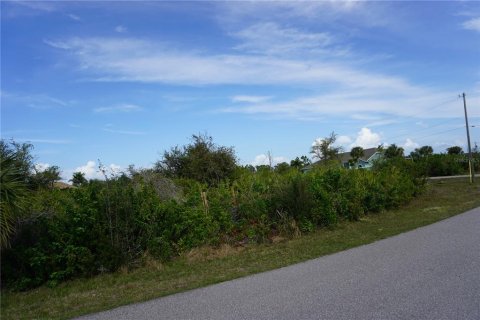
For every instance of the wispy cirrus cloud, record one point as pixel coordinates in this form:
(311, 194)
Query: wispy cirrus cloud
(271, 39)
(126, 132)
(45, 6)
(127, 59)
(122, 108)
(250, 99)
(74, 17)
(46, 141)
(369, 102)
(346, 88)
(35, 101)
(230, 13)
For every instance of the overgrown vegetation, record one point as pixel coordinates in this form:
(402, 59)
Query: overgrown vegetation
(212, 264)
(101, 226)
(453, 162)
(195, 196)
(201, 160)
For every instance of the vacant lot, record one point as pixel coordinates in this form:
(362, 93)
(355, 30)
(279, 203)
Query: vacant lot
(205, 266)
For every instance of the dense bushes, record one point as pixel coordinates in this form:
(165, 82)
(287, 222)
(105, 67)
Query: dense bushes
(103, 225)
(446, 164)
(195, 196)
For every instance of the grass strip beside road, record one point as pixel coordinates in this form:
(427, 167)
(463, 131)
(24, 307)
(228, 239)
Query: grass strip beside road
(205, 266)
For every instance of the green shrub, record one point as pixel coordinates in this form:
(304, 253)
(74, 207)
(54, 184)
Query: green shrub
(103, 225)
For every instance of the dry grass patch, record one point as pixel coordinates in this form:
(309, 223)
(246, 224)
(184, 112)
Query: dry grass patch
(206, 253)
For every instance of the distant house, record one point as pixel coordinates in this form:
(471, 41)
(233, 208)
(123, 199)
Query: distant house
(365, 162)
(62, 185)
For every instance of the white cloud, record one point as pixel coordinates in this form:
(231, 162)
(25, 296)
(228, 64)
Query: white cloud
(127, 132)
(92, 171)
(367, 139)
(231, 13)
(115, 168)
(74, 17)
(120, 29)
(40, 166)
(352, 90)
(472, 24)
(343, 140)
(366, 101)
(47, 141)
(381, 123)
(421, 124)
(122, 108)
(262, 159)
(409, 145)
(143, 61)
(277, 160)
(317, 141)
(36, 101)
(269, 38)
(250, 99)
(364, 117)
(47, 6)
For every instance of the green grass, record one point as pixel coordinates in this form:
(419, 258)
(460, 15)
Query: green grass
(204, 266)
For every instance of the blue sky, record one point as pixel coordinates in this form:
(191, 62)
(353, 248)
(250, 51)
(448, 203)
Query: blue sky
(120, 82)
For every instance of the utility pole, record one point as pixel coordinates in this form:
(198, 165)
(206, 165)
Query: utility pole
(470, 162)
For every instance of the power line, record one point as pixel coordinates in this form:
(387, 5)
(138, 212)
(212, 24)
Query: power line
(432, 108)
(410, 133)
(438, 133)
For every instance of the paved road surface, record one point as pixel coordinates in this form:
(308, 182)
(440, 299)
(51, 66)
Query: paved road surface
(466, 177)
(429, 273)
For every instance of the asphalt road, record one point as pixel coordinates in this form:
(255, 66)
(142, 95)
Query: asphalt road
(466, 177)
(429, 273)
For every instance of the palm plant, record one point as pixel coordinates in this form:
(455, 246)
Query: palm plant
(356, 153)
(12, 194)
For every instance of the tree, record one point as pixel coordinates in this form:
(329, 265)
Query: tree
(356, 153)
(78, 178)
(201, 160)
(425, 151)
(393, 151)
(47, 177)
(422, 152)
(249, 168)
(173, 163)
(282, 167)
(22, 159)
(263, 168)
(15, 161)
(455, 150)
(324, 150)
(301, 162)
